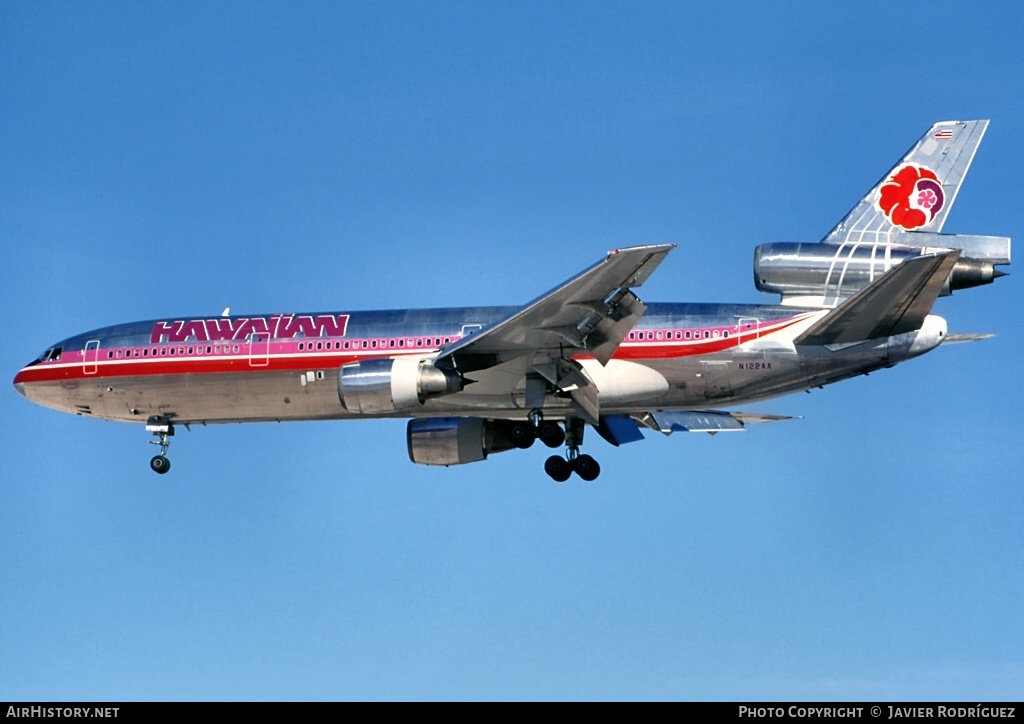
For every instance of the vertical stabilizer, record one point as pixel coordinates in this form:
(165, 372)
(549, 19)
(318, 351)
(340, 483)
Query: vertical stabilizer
(918, 192)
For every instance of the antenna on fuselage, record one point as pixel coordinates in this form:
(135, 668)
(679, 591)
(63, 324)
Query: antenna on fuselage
(226, 312)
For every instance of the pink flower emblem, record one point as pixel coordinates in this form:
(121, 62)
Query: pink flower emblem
(926, 199)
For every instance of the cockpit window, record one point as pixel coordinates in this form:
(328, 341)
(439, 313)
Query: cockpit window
(50, 355)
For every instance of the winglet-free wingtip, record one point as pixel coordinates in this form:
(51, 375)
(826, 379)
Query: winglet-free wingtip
(653, 248)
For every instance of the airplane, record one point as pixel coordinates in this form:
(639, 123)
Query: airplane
(589, 353)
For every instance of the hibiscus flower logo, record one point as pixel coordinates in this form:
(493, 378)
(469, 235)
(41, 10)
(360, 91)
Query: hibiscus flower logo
(911, 197)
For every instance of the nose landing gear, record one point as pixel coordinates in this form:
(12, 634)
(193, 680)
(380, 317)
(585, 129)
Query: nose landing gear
(162, 430)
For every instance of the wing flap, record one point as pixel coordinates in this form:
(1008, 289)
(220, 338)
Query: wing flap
(710, 421)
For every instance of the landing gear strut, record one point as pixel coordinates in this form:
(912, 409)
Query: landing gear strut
(559, 468)
(162, 430)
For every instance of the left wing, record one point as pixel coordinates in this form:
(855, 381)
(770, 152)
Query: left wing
(592, 312)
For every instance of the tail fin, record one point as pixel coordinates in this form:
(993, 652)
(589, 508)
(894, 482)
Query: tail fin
(901, 218)
(918, 192)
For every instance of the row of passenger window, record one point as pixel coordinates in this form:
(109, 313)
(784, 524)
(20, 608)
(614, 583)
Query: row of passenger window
(429, 342)
(401, 343)
(679, 334)
(172, 351)
(409, 342)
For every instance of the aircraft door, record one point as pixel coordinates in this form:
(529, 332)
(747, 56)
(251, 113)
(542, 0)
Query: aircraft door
(259, 349)
(749, 331)
(91, 357)
(717, 382)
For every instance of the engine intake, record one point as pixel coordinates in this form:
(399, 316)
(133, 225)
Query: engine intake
(389, 385)
(456, 440)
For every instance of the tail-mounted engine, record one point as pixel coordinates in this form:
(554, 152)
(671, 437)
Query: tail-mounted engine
(820, 274)
(456, 440)
(388, 385)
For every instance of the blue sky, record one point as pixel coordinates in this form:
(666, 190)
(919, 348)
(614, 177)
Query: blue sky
(176, 158)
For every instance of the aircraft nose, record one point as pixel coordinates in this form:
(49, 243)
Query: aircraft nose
(19, 385)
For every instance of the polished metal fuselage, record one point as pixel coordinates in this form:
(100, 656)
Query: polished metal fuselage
(709, 355)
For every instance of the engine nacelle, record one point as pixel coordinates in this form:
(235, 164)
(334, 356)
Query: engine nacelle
(455, 440)
(388, 385)
(809, 272)
(822, 270)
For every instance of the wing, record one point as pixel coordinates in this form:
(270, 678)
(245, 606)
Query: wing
(592, 312)
(620, 429)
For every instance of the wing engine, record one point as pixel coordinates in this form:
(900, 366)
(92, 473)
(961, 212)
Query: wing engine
(387, 385)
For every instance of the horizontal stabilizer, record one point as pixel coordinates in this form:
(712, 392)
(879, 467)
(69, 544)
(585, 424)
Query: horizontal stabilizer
(895, 303)
(961, 337)
(711, 421)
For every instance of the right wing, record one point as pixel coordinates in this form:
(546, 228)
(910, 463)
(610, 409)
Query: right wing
(620, 429)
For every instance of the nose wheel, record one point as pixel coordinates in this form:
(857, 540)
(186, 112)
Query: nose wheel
(560, 468)
(162, 430)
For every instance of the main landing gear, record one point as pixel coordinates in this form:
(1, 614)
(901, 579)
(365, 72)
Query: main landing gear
(550, 433)
(162, 430)
(559, 468)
